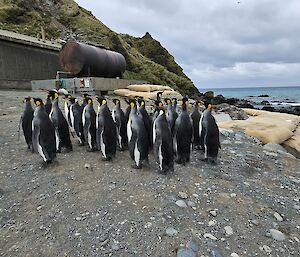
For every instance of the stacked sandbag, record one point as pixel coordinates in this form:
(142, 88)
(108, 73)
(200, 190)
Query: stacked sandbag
(268, 127)
(147, 91)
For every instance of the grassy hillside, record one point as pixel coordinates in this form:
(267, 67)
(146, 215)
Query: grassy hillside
(146, 58)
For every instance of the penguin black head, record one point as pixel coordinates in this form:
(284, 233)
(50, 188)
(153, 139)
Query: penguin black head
(158, 95)
(53, 94)
(132, 103)
(184, 102)
(27, 99)
(141, 101)
(101, 100)
(207, 103)
(159, 105)
(38, 102)
(168, 101)
(116, 101)
(88, 100)
(68, 96)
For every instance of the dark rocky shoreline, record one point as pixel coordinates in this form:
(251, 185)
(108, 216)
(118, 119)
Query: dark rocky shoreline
(245, 103)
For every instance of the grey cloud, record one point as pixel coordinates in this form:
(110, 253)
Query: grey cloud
(212, 40)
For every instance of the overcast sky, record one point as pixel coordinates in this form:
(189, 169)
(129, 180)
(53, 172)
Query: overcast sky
(219, 43)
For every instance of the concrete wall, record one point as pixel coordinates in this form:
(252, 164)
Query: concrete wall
(19, 64)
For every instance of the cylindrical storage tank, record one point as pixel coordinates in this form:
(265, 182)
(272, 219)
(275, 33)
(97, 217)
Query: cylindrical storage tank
(84, 60)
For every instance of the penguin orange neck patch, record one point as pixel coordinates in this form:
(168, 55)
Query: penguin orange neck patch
(37, 103)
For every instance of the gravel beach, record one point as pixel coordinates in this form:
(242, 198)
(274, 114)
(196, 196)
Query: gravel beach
(247, 205)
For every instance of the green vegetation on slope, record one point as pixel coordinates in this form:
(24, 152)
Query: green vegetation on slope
(146, 58)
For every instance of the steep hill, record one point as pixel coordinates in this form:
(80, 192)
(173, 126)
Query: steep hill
(146, 58)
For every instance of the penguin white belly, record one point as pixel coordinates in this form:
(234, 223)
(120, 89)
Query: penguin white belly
(137, 155)
(72, 119)
(129, 131)
(154, 132)
(119, 137)
(200, 125)
(83, 116)
(102, 145)
(114, 116)
(67, 112)
(39, 148)
(56, 139)
(160, 157)
(50, 114)
(89, 137)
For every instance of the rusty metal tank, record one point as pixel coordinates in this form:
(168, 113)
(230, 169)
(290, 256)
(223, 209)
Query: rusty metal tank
(84, 60)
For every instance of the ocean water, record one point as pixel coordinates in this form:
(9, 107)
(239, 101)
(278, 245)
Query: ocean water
(276, 95)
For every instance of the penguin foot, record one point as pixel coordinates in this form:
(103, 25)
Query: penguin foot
(107, 159)
(136, 167)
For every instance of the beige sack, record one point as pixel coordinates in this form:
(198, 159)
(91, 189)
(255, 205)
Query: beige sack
(122, 92)
(294, 141)
(148, 88)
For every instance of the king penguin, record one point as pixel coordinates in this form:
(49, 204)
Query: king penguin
(26, 120)
(137, 137)
(76, 120)
(120, 121)
(106, 130)
(209, 135)
(89, 124)
(163, 141)
(196, 116)
(183, 135)
(43, 133)
(172, 114)
(146, 118)
(48, 105)
(60, 123)
(67, 104)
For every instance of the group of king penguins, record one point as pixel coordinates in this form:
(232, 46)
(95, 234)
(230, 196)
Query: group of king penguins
(169, 132)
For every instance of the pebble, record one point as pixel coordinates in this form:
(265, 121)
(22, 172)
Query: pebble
(233, 195)
(191, 204)
(181, 203)
(39, 208)
(171, 232)
(255, 222)
(228, 230)
(234, 255)
(278, 216)
(115, 247)
(183, 252)
(297, 207)
(267, 249)
(210, 236)
(277, 235)
(87, 166)
(191, 244)
(212, 223)
(213, 213)
(77, 234)
(182, 195)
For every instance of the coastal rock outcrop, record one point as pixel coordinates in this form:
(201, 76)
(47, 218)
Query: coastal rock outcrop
(269, 127)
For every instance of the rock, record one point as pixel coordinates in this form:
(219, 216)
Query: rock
(210, 236)
(171, 232)
(277, 235)
(115, 246)
(255, 222)
(181, 204)
(267, 249)
(234, 255)
(182, 195)
(297, 207)
(228, 230)
(183, 252)
(226, 142)
(275, 148)
(87, 166)
(212, 223)
(191, 204)
(213, 213)
(191, 244)
(278, 216)
(226, 132)
(77, 234)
